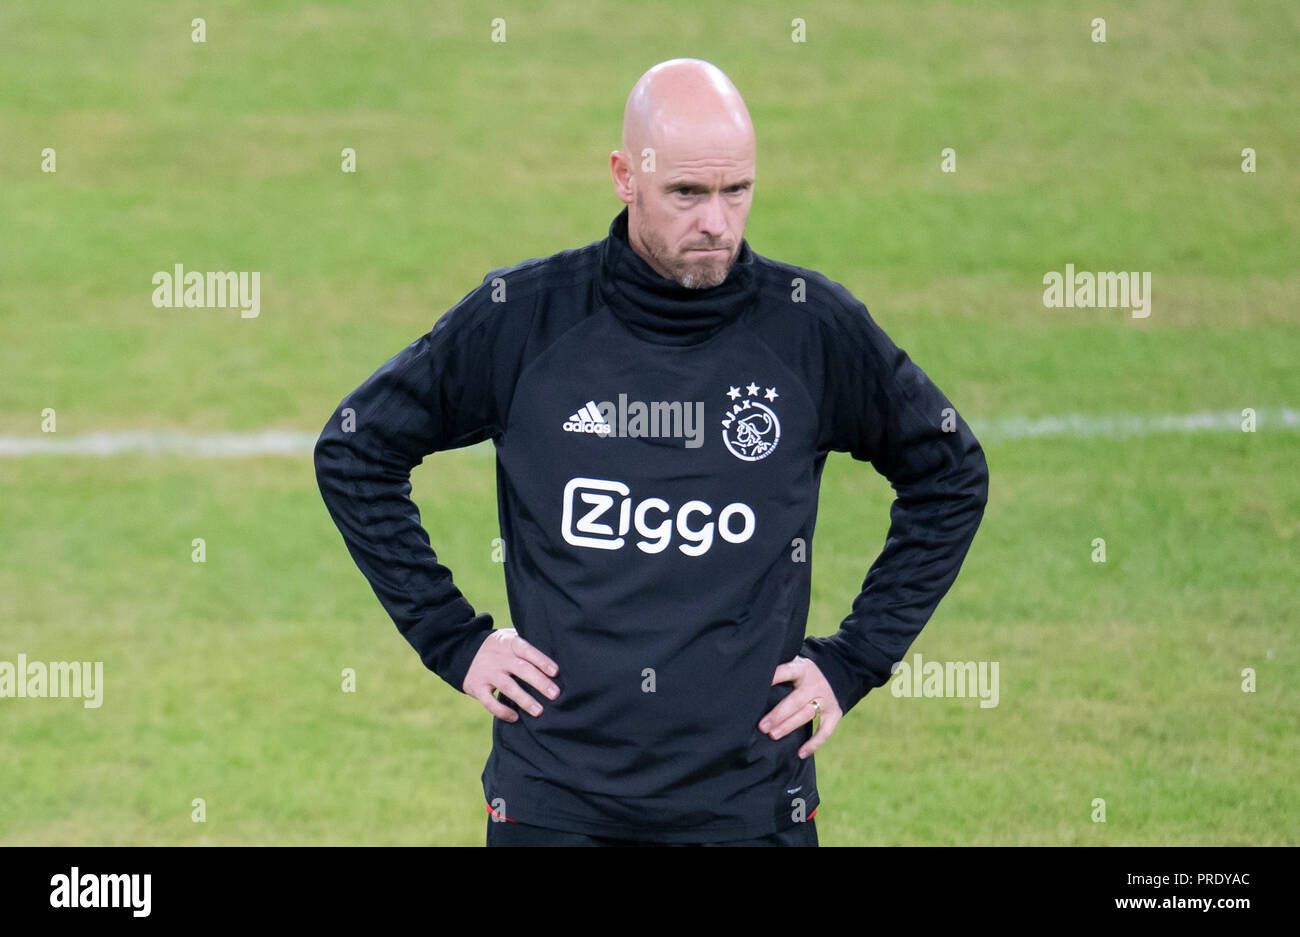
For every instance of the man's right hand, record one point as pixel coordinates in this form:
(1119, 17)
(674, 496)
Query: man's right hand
(502, 657)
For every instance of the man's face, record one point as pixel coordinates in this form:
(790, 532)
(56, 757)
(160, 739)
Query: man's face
(688, 217)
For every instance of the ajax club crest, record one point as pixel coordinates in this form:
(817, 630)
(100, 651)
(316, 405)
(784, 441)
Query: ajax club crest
(749, 427)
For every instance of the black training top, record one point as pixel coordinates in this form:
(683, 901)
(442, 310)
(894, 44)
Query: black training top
(658, 456)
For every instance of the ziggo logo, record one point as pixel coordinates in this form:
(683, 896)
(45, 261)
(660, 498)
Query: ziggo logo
(599, 494)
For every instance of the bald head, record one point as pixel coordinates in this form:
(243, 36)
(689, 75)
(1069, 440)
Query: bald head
(686, 170)
(679, 100)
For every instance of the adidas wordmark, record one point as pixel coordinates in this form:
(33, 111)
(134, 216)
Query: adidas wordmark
(588, 420)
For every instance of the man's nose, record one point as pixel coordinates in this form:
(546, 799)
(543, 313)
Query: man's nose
(714, 220)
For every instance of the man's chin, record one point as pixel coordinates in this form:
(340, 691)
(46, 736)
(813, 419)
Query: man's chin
(705, 274)
(701, 280)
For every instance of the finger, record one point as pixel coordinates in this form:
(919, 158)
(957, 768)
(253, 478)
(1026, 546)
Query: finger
(500, 710)
(521, 696)
(802, 716)
(535, 657)
(828, 723)
(534, 677)
(794, 704)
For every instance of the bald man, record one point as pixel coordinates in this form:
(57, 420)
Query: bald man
(662, 403)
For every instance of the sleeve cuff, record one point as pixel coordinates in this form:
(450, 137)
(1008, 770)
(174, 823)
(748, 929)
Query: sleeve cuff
(451, 661)
(849, 683)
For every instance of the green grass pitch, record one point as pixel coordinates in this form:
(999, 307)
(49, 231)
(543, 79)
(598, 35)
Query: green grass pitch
(1119, 680)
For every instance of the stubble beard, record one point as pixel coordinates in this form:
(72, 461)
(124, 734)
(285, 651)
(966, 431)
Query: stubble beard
(699, 274)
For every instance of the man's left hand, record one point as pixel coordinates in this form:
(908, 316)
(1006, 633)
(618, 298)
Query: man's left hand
(797, 708)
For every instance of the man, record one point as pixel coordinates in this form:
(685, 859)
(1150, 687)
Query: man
(662, 403)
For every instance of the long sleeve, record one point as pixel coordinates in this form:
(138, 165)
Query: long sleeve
(880, 407)
(436, 394)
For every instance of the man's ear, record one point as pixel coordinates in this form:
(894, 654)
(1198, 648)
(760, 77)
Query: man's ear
(621, 171)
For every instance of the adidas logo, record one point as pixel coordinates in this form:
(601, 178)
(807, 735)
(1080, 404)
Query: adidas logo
(588, 420)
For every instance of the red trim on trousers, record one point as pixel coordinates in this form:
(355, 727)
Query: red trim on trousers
(497, 815)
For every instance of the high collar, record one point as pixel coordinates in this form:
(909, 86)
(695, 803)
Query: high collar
(659, 308)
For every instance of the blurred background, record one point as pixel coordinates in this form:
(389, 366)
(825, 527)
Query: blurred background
(223, 679)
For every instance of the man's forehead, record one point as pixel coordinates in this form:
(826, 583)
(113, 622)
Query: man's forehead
(732, 168)
(705, 153)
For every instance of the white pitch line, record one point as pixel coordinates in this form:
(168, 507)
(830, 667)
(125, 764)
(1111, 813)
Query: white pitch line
(1119, 425)
(160, 442)
(287, 442)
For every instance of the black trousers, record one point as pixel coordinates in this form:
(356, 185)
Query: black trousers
(512, 833)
